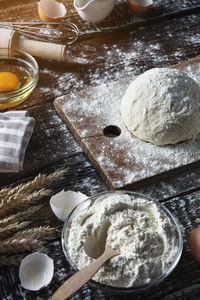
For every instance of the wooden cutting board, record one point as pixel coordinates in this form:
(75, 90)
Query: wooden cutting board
(93, 116)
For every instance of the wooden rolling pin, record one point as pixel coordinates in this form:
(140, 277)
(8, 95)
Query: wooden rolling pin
(10, 39)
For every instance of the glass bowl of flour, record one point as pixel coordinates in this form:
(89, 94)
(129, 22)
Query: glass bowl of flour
(145, 232)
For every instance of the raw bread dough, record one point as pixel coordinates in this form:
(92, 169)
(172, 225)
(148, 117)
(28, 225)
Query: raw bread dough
(162, 106)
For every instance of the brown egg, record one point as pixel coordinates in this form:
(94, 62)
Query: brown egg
(139, 5)
(195, 244)
(51, 11)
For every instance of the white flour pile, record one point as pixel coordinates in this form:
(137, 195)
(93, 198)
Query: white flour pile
(145, 236)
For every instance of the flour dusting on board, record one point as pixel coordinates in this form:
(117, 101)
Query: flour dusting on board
(124, 159)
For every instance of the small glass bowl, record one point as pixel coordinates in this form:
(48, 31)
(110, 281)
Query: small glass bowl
(114, 289)
(16, 61)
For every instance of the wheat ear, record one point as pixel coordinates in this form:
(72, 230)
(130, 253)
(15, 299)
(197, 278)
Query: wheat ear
(20, 215)
(23, 202)
(35, 233)
(17, 245)
(37, 183)
(11, 228)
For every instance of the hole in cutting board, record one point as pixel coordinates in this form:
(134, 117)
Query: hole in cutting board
(112, 131)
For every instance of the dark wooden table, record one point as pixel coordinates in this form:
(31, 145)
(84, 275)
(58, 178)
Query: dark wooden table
(124, 44)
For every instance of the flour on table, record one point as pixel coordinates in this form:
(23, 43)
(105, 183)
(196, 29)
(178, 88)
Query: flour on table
(128, 158)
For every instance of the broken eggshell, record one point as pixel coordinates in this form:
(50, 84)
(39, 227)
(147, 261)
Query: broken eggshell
(51, 11)
(140, 5)
(36, 271)
(63, 202)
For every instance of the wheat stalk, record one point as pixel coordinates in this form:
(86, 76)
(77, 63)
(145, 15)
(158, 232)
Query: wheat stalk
(35, 233)
(40, 181)
(17, 245)
(17, 204)
(18, 216)
(23, 202)
(17, 197)
(6, 260)
(6, 231)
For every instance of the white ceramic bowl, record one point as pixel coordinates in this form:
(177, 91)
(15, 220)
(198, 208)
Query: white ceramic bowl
(94, 11)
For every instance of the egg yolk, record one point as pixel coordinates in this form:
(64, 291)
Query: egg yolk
(8, 81)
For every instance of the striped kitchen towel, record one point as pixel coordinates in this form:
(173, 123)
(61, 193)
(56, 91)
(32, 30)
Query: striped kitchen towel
(16, 128)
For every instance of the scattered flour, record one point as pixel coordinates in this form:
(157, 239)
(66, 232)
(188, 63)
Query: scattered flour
(130, 65)
(128, 158)
(117, 60)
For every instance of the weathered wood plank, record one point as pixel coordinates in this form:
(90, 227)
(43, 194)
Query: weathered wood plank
(92, 62)
(121, 16)
(116, 56)
(53, 147)
(117, 61)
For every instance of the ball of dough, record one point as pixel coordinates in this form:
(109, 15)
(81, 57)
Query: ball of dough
(162, 106)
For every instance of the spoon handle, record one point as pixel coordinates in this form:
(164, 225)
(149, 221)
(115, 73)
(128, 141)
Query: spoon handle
(76, 281)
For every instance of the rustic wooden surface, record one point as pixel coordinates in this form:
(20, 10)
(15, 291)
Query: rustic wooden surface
(167, 34)
(118, 157)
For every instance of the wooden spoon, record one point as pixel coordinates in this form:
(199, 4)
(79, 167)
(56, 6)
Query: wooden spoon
(75, 282)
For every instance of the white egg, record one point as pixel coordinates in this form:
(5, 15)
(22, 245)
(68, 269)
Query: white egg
(36, 271)
(63, 202)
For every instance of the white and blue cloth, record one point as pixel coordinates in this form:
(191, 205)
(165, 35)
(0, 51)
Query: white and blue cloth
(16, 128)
